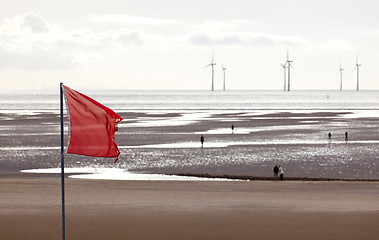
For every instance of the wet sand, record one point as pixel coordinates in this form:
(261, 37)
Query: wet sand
(297, 140)
(30, 209)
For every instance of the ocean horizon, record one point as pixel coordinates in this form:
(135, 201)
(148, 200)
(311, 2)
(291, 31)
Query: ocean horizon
(201, 99)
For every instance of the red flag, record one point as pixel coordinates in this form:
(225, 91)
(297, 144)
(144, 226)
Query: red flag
(92, 126)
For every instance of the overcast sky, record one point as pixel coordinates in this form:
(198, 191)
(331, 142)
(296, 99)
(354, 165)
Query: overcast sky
(166, 44)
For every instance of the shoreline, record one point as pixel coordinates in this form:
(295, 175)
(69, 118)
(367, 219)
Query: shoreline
(265, 178)
(196, 175)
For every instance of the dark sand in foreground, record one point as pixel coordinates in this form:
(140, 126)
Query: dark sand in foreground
(31, 209)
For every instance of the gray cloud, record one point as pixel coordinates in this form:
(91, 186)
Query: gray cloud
(201, 38)
(35, 22)
(129, 37)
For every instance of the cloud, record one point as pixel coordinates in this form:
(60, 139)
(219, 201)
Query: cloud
(233, 32)
(118, 18)
(200, 39)
(125, 36)
(243, 38)
(35, 22)
(30, 42)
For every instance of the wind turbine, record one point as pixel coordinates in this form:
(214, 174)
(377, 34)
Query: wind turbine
(289, 68)
(357, 65)
(212, 64)
(341, 69)
(284, 66)
(223, 71)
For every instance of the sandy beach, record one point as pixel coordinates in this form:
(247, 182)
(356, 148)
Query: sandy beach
(31, 209)
(168, 142)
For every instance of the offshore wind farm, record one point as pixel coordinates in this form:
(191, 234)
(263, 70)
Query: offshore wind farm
(286, 68)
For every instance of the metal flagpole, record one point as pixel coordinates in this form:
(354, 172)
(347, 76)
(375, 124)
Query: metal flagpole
(62, 164)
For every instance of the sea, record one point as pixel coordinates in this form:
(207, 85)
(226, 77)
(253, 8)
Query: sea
(159, 136)
(201, 100)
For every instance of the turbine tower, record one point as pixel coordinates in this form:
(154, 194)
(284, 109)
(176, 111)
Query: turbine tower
(223, 71)
(212, 64)
(289, 74)
(341, 69)
(357, 65)
(284, 66)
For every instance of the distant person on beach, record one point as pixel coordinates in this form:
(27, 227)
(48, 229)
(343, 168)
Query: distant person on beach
(202, 140)
(346, 138)
(281, 172)
(232, 128)
(330, 135)
(276, 170)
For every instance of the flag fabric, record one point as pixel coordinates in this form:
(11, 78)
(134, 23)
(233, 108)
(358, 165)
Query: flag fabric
(92, 126)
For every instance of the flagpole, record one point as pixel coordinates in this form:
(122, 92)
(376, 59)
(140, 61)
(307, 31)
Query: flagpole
(62, 164)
